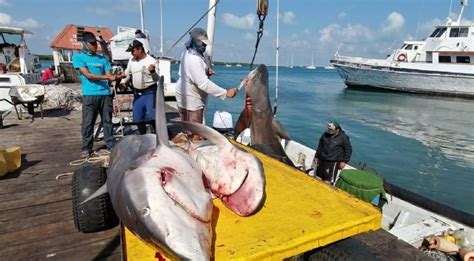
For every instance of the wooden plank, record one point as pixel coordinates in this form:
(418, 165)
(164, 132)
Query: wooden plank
(33, 211)
(56, 194)
(13, 225)
(10, 188)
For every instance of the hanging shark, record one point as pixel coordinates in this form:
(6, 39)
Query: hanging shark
(233, 175)
(158, 193)
(266, 131)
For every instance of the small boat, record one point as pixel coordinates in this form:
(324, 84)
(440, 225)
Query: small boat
(441, 64)
(291, 63)
(329, 67)
(311, 66)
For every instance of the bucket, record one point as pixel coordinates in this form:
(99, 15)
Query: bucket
(10, 160)
(222, 121)
(362, 184)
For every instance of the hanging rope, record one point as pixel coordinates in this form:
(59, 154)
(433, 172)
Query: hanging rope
(262, 11)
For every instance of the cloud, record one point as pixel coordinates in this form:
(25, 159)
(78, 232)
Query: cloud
(5, 19)
(244, 22)
(288, 17)
(394, 22)
(335, 33)
(28, 23)
(342, 15)
(101, 11)
(4, 3)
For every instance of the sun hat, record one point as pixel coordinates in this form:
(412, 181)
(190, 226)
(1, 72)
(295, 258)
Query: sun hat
(200, 34)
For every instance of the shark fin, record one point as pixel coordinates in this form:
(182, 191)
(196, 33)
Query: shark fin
(102, 190)
(242, 123)
(212, 135)
(162, 137)
(280, 130)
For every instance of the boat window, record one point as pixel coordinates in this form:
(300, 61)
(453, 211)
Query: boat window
(12, 39)
(444, 59)
(436, 31)
(409, 47)
(441, 32)
(454, 32)
(463, 59)
(463, 32)
(2, 79)
(416, 47)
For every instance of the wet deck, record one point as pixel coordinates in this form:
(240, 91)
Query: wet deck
(36, 219)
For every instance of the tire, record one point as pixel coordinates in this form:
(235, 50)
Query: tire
(97, 214)
(345, 250)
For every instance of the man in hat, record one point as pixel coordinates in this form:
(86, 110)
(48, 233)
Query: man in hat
(194, 84)
(47, 77)
(333, 152)
(142, 73)
(95, 74)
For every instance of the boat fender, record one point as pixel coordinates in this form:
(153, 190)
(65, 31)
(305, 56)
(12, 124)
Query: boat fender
(401, 57)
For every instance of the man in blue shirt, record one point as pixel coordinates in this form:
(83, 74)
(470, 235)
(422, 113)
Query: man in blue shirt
(95, 74)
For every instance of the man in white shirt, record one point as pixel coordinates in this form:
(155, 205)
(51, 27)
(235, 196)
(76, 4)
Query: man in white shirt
(141, 72)
(194, 84)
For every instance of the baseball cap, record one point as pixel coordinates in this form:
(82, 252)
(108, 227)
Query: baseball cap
(134, 44)
(89, 37)
(200, 34)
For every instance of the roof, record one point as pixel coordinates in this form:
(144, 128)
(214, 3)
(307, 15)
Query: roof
(7, 29)
(68, 37)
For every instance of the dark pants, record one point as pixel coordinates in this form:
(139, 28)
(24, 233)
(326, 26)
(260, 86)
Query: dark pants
(93, 105)
(327, 170)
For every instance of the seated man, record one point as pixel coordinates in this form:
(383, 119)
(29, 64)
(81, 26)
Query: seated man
(48, 76)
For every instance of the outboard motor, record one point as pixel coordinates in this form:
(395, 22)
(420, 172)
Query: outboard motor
(223, 123)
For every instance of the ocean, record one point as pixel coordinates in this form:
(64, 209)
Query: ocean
(421, 143)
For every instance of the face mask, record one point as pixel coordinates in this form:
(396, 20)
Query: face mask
(199, 46)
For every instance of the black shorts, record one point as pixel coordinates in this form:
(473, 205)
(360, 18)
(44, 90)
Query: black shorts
(327, 170)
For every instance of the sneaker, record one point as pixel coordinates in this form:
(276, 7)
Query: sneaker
(85, 154)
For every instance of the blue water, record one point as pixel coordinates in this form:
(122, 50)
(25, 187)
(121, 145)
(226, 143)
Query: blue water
(424, 144)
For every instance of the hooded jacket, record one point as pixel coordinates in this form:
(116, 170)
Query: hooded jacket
(337, 148)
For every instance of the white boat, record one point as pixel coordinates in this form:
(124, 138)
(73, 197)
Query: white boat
(442, 64)
(17, 65)
(329, 67)
(291, 63)
(311, 66)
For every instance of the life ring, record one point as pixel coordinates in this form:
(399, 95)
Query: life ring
(401, 57)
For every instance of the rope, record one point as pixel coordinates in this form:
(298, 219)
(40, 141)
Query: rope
(261, 18)
(102, 156)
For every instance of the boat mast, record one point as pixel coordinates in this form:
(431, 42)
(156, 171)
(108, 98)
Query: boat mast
(161, 27)
(211, 26)
(141, 16)
(277, 56)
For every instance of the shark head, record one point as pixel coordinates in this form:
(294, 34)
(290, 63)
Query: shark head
(256, 87)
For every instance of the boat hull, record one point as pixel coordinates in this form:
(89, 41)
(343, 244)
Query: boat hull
(407, 80)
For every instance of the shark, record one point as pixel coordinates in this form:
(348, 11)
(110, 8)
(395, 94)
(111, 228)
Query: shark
(266, 131)
(233, 175)
(158, 193)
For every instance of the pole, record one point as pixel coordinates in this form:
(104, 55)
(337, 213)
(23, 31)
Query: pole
(161, 27)
(142, 16)
(211, 26)
(277, 56)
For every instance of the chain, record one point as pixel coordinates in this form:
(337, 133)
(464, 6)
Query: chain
(261, 18)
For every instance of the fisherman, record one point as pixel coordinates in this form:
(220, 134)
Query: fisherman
(48, 76)
(194, 84)
(95, 74)
(333, 153)
(142, 73)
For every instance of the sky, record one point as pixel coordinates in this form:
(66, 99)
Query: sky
(308, 28)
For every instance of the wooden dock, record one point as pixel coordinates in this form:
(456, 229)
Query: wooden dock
(36, 219)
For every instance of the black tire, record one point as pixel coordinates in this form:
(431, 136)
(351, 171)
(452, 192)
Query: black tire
(97, 214)
(345, 250)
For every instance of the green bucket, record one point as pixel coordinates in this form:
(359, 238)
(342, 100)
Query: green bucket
(362, 184)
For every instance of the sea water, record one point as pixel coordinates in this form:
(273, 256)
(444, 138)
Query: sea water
(421, 143)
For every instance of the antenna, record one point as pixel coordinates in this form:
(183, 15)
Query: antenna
(277, 57)
(464, 3)
(142, 16)
(161, 27)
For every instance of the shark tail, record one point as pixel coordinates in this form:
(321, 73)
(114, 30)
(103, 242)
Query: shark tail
(242, 123)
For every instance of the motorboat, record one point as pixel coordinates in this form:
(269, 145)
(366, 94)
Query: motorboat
(18, 67)
(442, 64)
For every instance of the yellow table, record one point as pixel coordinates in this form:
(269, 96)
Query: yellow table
(299, 214)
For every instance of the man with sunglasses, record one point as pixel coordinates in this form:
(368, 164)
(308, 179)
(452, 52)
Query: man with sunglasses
(95, 74)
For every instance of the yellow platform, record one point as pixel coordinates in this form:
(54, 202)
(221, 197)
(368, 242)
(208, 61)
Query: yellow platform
(299, 214)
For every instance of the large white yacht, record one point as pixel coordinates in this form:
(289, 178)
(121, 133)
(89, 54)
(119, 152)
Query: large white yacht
(442, 64)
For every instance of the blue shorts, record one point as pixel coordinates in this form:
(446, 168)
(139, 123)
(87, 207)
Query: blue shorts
(144, 105)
